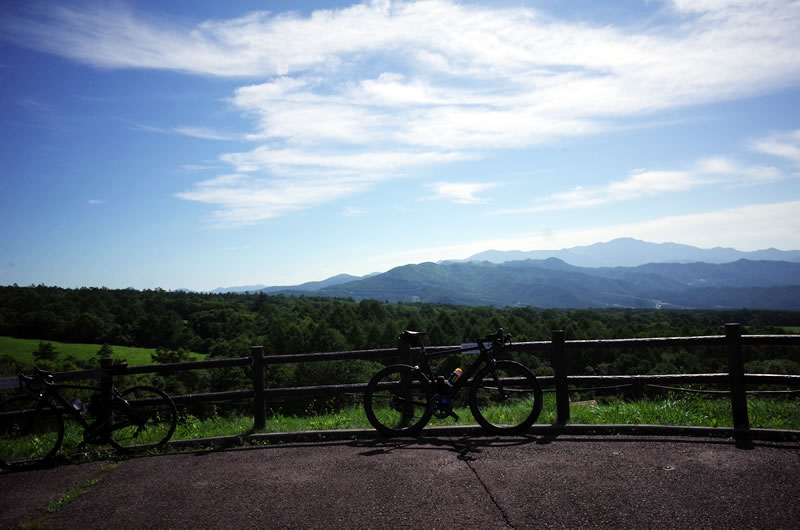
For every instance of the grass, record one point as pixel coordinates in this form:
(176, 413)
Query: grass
(70, 496)
(791, 329)
(685, 410)
(22, 350)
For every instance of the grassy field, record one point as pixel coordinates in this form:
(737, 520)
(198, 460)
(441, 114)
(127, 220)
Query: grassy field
(682, 410)
(22, 349)
(686, 410)
(791, 329)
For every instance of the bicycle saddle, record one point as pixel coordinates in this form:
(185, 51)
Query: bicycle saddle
(412, 337)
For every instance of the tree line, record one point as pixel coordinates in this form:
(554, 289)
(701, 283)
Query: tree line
(227, 325)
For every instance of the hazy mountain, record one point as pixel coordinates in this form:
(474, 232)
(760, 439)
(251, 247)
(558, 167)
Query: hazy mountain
(623, 272)
(313, 286)
(629, 252)
(239, 289)
(554, 283)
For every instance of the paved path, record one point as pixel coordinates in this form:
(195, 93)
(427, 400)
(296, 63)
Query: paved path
(429, 483)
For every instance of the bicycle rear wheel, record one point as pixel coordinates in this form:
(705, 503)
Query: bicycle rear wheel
(31, 432)
(142, 418)
(505, 398)
(396, 401)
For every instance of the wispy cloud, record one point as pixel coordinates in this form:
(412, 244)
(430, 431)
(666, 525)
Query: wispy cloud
(646, 183)
(94, 202)
(460, 192)
(381, 86)
(203, 133)
(242, 199)
(200, 167)
(269, 183)
(751, 227)
(781, 144)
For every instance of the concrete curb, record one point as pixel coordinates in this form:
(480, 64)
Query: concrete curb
(474, 430)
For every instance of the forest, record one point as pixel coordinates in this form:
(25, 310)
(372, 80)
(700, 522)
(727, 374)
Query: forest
(227, 325)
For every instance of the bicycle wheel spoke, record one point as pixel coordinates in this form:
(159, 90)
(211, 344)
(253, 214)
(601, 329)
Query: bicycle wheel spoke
(505, 398)
(396, 401)
(142, 418)
(31, 432)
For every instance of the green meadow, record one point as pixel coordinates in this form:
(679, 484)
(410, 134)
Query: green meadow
(22, 350)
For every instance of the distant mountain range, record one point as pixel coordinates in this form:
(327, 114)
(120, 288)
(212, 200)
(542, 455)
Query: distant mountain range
(629, 252)
(677, 281)
(308, 286)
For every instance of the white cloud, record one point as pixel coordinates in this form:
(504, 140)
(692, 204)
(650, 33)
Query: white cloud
(242, 199)
(362, 92)
(781, 144)
(270, 183)
(506, 60)
(460, 192)
(288, 161)
(204, 133)
(751, 227)
(645, 183)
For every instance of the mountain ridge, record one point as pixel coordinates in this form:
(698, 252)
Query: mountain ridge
(630, 252)
(554, 282)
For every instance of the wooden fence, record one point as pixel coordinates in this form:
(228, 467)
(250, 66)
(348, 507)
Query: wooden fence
(558, 349)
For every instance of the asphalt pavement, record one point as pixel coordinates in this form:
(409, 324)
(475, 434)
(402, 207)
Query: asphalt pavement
(468, 482)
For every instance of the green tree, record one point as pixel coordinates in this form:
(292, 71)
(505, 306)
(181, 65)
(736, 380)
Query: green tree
(45, 352)
(105, 351)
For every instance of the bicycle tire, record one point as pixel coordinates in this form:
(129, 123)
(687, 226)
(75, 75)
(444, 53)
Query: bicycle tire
(31, 432)
(142, 418)
(396, 401)
(510, 407)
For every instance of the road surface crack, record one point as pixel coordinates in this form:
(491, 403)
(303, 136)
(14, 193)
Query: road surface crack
(463, 454)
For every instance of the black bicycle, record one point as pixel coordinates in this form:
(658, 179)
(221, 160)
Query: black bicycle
(32, 425)
(504, 396)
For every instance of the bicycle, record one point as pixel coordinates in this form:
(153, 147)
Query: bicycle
(32, 425)
(504, 396)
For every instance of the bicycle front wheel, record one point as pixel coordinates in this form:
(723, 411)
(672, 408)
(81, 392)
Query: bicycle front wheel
(505, 398)
(31, 432)
(142, 418)
(396, 401)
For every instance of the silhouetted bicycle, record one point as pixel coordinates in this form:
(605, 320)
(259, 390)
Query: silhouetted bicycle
(32, 425)
(504, 396)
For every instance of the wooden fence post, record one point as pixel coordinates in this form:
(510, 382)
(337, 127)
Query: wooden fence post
(558, 360)
(106, 391)
(259, 410)
(741, 422)
(406, 356)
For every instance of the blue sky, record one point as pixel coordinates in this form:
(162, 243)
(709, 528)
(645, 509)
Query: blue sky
(196, 145)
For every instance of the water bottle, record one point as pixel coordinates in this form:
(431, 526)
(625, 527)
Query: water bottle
(455, 376)
(79, 406)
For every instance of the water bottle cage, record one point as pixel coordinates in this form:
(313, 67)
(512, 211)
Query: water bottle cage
(443, 386)
(94, 405)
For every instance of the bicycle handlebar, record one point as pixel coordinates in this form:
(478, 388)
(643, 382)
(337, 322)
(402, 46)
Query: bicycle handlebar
(500, 337)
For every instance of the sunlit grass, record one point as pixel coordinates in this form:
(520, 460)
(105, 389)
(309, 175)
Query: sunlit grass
(681, 410)
(22, 350)
(688, 411)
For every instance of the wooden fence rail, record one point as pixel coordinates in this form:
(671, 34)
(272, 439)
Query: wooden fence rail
(558, 348)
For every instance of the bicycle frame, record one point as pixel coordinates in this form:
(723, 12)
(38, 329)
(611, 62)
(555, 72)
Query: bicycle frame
(485, 356)
(92, 432)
